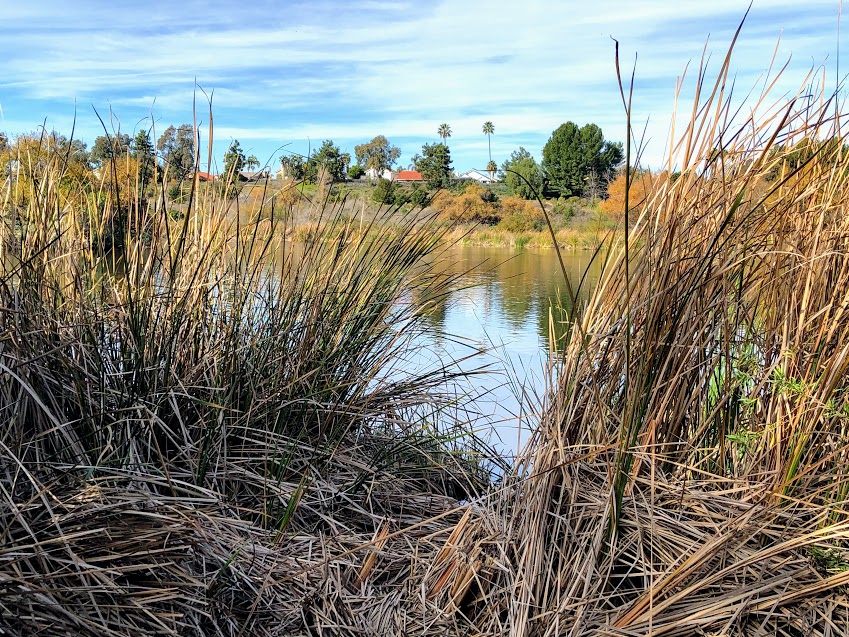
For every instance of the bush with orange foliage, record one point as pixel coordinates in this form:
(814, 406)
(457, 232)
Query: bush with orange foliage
(643, 184)
(469, 205)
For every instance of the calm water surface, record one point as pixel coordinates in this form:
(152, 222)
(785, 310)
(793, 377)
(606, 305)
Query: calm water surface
(499, 310)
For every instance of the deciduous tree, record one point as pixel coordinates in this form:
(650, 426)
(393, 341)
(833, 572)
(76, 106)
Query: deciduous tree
(34, 160)
(378, 154)
(74, 158)
(177, 149)
(108, 147)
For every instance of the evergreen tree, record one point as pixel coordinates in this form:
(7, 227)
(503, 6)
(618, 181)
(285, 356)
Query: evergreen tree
(571, 153)
(522, 174)
(489, 130)
(435, 165)
(143, 151)
(234, 163)
(328, 162)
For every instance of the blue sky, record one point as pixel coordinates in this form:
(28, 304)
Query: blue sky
(286, 75)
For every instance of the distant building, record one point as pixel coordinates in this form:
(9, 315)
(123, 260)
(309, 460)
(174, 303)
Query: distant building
(478, 176)
(206, 176)
(409, 175)
(256, 175)
(373, 174)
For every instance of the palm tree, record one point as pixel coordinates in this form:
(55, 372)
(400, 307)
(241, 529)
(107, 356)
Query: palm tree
(444, 131)
(488, 129)
(251, 162)
(491, 168)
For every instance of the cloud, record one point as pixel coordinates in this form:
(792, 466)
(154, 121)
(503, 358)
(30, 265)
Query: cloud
(331, 69)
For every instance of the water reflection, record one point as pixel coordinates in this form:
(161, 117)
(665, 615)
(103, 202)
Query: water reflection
(501, 302)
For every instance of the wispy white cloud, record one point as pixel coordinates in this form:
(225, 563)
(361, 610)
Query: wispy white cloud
(328, 69)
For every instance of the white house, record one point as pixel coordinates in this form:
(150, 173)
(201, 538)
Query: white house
(373, 175)
(478, 176)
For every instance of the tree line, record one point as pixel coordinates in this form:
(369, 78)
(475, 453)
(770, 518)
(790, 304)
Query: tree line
(576, 161)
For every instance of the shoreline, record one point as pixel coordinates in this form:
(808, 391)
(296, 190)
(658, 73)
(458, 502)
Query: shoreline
(509, 222)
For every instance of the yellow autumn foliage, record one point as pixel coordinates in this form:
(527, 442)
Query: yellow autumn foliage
(468, 205)
(643, 184)
(121, 177)
(520, 215)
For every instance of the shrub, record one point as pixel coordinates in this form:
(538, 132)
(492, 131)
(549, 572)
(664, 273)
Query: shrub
(338, 193)
(175, 192)
(289, 195)
(519, 215)
(385, 192)
(564, 209)
(489, 196)
(419, 196)
(467, 206)
(643, 184)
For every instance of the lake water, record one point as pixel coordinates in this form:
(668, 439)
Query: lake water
(500, 309)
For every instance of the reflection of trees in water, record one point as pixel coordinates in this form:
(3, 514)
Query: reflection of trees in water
(486, 284)
(524, 289)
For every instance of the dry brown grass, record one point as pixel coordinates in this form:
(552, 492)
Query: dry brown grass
(204, 430)
(183, 459)
(689, 476)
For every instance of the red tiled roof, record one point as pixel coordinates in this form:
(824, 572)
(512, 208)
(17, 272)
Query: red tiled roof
(409, 175)
(207, 176)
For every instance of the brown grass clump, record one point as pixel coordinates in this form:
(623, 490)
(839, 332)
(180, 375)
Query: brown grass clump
(689, 476)
(206, 430)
